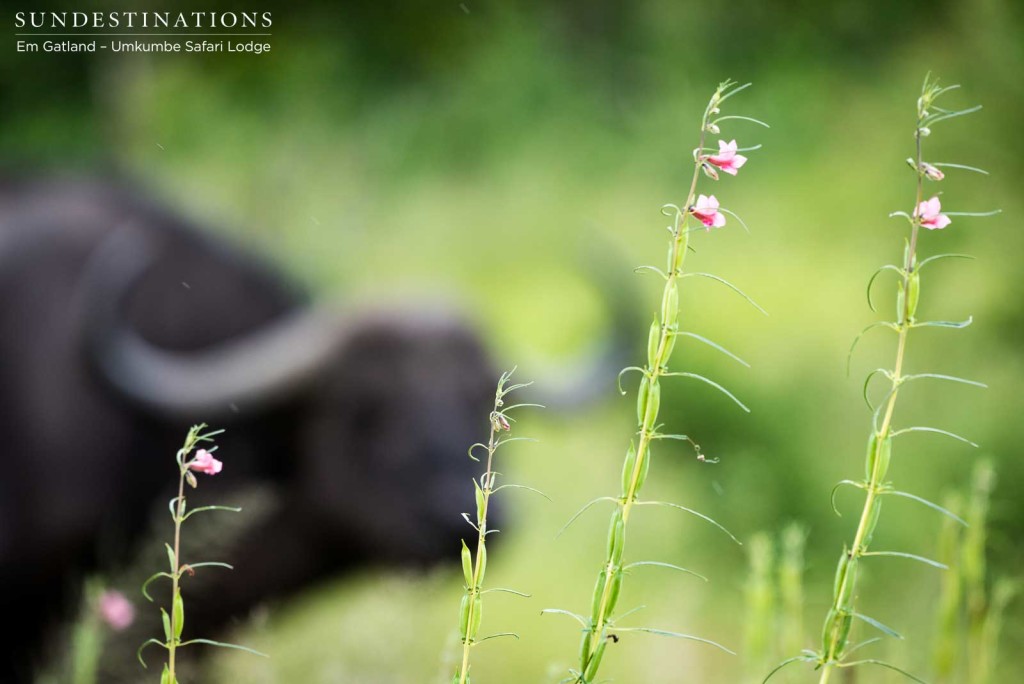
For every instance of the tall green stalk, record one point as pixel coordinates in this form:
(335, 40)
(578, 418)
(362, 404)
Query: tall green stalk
(475, 565)
(926, 214)
(664, 332)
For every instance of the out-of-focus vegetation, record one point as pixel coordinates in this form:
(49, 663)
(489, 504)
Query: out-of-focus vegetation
(484, 147)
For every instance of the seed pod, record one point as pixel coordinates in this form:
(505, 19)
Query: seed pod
(670, 304)
(467, 565)
(653, 403)
(478, 611)
(627, 470)
(613, 591)
(877, 464)
(464, 617)
(844, 563)
(483, 566)
(165, 677)
(641, 399)
(179, 615)
(913, 294)
(167, 625)
(595, 607)
(845, 599)
(645, 465)
(595, 662)
(884, 455)
(584, 649)
(653, 341)
(480, 510)
(670, 343)
(872, 521)
(616, 538)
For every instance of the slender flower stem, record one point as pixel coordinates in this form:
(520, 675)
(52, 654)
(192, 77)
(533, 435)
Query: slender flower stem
(172, 643)
(661, 341)
(475, 566)
(478, 564)
(841, 613)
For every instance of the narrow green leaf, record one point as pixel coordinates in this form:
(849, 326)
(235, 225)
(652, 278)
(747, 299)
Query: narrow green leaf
(677, 635)
(519, 486)
(871, 281)
(499, 634)
(233, 509)
(582, 511)
(655, 269)
(927, 503)
(867, 383)
(784, 663)
(172, 561)
(976, 214)
(692, 512)
(938, 257)
(138, 653)
(714, 345)
(911, 556)
(714, 384)
(623, 372)
(943, 324)
(876, 324)
(741, 118)
(503, 590)
(221, 644)
(832, 498)
(878, 625)
(943, 116)
(558, 611)
(152, 578)
(947, 165)
(882, 664)
(939, 376)
(732, 287)
(734, 214)
(665, 565)
(937, 431)
(211, 564)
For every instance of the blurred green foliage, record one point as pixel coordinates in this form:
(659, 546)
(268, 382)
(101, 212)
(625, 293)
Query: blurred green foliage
(467, 149)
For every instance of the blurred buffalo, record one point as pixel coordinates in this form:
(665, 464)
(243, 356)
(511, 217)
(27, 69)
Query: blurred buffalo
(121, 324)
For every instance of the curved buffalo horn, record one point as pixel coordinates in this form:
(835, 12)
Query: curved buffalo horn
(260, 368)
(591, 377)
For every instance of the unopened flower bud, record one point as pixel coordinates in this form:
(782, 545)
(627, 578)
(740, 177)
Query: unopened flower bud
(501, 423)
(931, 172)
(924, 131)
(713, 128)
(709, 171)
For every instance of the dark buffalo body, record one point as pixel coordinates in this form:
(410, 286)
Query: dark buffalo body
(121, 324)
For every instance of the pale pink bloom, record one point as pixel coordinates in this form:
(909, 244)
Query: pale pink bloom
(929, 213)
(204, 462)
(116, 610)
(932, 172)
(727, 159)
(706, 210)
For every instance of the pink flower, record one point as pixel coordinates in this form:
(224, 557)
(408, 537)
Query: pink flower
(727, 159)
(117, 611)
(204, 462)
(929, 213)
(706, 210)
